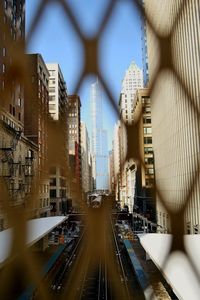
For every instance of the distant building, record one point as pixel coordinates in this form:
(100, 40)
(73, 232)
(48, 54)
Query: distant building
(74, 140)
(132, 81)
(85, 159)
(35, 121)
(117, 161)
(145, 175)
(99, 140)
(59, 186)
(111, 172)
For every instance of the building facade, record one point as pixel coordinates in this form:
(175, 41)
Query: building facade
(58, 106)
(18, 154)
(36, 122)
(85, 159)
(111, 172)
(12, 21)
(175, 116)
(99, 140)
(132, 81)
(74, 134)
(145, 172)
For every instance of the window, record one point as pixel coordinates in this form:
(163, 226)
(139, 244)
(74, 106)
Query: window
(147, 130)
(148, 150)
(149, 171)
(52, 98)
(52, 81)
(3, 68)
(19, 116)
(52, 193)
(52, 106)
(52, 181)
(147, 109)
(52, 72)
(148, 160)
(147, 140)
(4, 51)
(19, 101)
(147, 120)
(149, 182)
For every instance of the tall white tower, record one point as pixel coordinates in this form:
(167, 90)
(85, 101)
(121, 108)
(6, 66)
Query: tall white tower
(132, 81)
(99, 140)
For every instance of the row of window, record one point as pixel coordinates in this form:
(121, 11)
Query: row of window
(61, 181)
(72, 114)
(10, 123)
(44, 202)
(72, 126)
(62, 193)
(73, 131)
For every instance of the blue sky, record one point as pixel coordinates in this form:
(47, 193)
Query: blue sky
(120, 43)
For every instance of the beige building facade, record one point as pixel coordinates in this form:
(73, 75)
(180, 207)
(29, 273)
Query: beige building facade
(145, 182)
(175, 110)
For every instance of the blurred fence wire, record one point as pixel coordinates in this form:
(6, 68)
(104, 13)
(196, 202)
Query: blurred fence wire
(170, 77)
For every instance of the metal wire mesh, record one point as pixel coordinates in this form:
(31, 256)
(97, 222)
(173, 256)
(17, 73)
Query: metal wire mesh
(164, 64)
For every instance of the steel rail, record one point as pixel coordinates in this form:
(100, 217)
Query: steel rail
(70, 259)
(119, 259)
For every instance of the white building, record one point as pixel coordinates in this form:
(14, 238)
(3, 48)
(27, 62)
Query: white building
(132, 81)
(56, 89)
(59, 187)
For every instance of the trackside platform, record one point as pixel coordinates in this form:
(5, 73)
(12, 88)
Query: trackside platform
(139, 272)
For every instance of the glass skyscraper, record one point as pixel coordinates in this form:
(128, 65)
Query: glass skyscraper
(99, 140)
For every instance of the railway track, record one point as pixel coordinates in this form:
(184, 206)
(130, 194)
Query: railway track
(120, 267)
(94, 285)
(58, 282)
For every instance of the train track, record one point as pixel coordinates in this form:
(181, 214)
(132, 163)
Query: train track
(121, 270)
(57, 284)
(97, 283)
(94, 284)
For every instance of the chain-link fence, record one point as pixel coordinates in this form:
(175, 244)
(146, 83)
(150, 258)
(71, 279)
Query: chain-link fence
(172, 29)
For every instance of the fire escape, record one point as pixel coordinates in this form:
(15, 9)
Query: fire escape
(16, 173)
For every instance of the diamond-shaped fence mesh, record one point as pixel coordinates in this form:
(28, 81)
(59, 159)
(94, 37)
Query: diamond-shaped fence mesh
(172, 79)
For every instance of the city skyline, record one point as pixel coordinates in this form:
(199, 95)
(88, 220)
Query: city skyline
(78, 221)
(116, 42)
